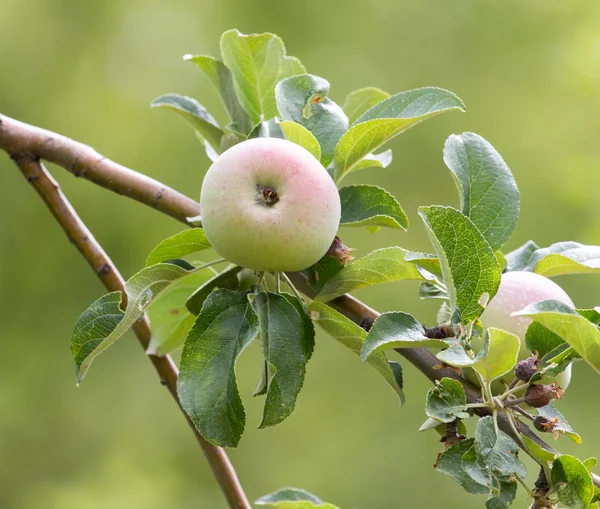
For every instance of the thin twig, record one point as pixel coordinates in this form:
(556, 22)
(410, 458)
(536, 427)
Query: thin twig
(39, 177)
(83, 161)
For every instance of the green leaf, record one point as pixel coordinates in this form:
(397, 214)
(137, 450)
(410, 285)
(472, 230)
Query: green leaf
(518, 259)
(469, 267)
(541, 340)
(573, 482)
(455, 355)
(593, 315)
(195, 114)
(450, 463)
(322, 271)
(225, 279)
(293, 498)
(476, 469)
(381, 160)
(396, 330)
(221, 78)
(429, 262)
(170, 320)
(95, 324)
(504, 499)
(578, 331)
(498, 355)
(488, 192)
(565, 258)
(352, 336)
(386, 120)
(446, 401)
(257, 63)
(267, 129)
(429, 290)
(371, 206)
(300, 135)
(497, 450)
(178, 246)
(361, 100)
(93, 333)
(560, 424)
(537, 451)
(206, 385)
(380, 266)
(303, 99)
(283, 336)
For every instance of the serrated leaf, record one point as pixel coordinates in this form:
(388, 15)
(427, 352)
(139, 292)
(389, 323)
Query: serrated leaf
(322, 271)
(469, 267)
(95, 324)
(178, 246)
(371, 206)
(565, 258)
(396, 330)
(283, 337)
(380, 266)
(455, 355)
(221, 78)
(266, 129)
(380, 160)
(361, 100)
(225, 279)
(293, 498)
(195, 114)
(559, 423)
(540, 339)
(87, 342)
(446, 401)
(352, 337)
(426, 261)
(518, 259)
(206, 385)
(475, 468)
(170, 320)
(388, 119)
(497, 450)
(592, 315)
(308, 338)
(257, 63)
(498, 355)
(428, 290)
(572, 481)
(450, 463)
(300, 135)
(488, 192)
(303, 99)
(576, 330)
(537, 451)
(505, 497)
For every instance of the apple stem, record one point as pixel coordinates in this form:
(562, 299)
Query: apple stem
(277, 282)
(293, 288)
(260, 279)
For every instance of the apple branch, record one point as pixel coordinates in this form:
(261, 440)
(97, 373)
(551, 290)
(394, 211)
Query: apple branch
(79, 235)
(20, 139)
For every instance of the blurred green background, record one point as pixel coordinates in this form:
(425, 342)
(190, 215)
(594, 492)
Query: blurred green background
(529, 72)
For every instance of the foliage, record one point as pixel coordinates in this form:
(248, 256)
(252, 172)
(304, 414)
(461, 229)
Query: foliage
(268, 93)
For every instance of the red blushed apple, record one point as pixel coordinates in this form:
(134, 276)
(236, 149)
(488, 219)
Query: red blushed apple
(267, 204)
(518, 290)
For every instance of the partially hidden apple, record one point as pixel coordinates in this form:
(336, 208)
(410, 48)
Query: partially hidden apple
(518, 290)
(267, 204)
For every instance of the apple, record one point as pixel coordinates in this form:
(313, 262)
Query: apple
(518, 290)
(267, 204)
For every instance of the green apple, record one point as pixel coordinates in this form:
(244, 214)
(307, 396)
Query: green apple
(267, 204)
(518, 290)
